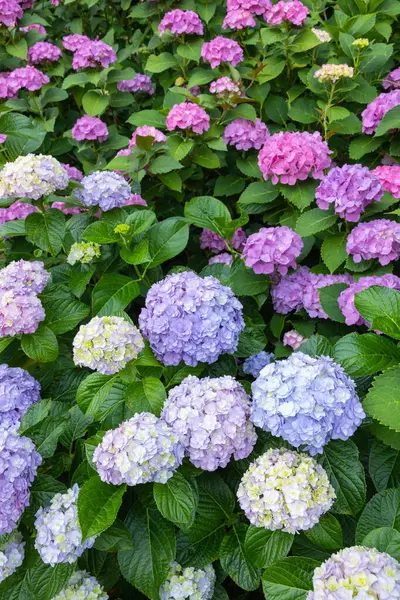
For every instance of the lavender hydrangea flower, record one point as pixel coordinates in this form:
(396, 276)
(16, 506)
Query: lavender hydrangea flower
(220, 50)
(59, 536)
(82, 586)
(67, 210)
(18, 465)
(12, 553)
(350, 189)
(272, 249)
(10, 12)
(211, 418)
(285, 490)
(90, 128)
(346, 298)
(37, 26)
(238, 19)
(107, 344)
(92, 53)
(254, 364)
(83, 252)
(139, 83)
(19, 313)
(147, 131)
(141, 450)
(392, 80)
(209, 240)
(389, 176)
(18, 390)
(29, 78)
(287, 11)
(377, 239)
(32, 177)
(104, 189)
(191, 319)
(294, 339)
(244, 134)
(256, 7)
(224, 258)
(288, 294)
(184, 583)
(306, 401)
(181, 21)
(43, 52)
(225, 87)
(24, 277)
(73, 172)
(311, 301)
(72, 42)
(377, 109)
(188, 116)
(357, 572)
(16, 210)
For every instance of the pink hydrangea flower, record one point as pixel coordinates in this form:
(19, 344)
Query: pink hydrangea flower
(292, 11)
(188, 116)
(346, 298)
(3, 138)
(238, 19)
(181, 21)
(147, 131)
(73, 42)
(225, 87)
(209, 240)
(93, 54)
(136, 199)
(294, 339)
(139, 83)
(311, 301)
(10, 12)
(244, 134)
(224, 258)
(16, 211)
(90, 128)
(8, 87)
(73, 172)
(36, 26)
(28, 77)
(377, 239)
(377, 109)
(272, 249)
(69, 210)
(289, 157)
(256, 7)
(221, 49)
(389, 176)
(392, 81)
(43, 52)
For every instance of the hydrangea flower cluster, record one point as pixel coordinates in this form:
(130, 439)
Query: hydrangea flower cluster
(225, 87)
(83, 252)
(181, 21)
(16, 210)
(18, 465)
(293, 338)
(190, 318)
(285, 490)
(287, 11)
(209, 240)
(136, 199)
(72, 42)
(389, 176)
(357, 572)
(10, 12)
(19, 313)
(288, 157)
(377, 239)
(59, 536)
(392, 80)
(139, 83)
(188, 583)
(253, 6)
(28, 78)
(89, 53)
(107, 344)
(350, 189)
(82, 586)
(147, 131)
(306, 401)
(32, 177)
(222, 50)
(332, 73)
(35, 26)
(104, 189)
(288, 294)
(311, 302)
(272, 249)
(238, 19)
(43, 52)
(346, 298)
(244, 134)
(377, 109)
(188, 116)
(211, 418)
(12, 554)
(254, 364)
(224, 258)
(70, 210)
(24, 277)
(3, 138)
(73, 172)
(141, 450)
(18, 390)
(90, 128)
(322, 35)
(361, 43)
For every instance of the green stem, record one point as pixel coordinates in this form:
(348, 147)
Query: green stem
(327, 108)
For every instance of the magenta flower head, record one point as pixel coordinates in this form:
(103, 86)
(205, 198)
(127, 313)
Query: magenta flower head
(181, 21)
(136, 199)
(350, 189)
(392, 81)
(73, 42)
(43, 52)
(29, 78)
(71, 210)
(290, 11)
(238, 19)
(255, 7)
(290, 157)
(293, 339)
(93, 54)
(389, 176)
(225, 87)
(377, 239)
(209, 240)
(90, 128)
(10, 12)
(346, 298)
(222, 50)
(244, 134)
(272, 249)
(377, 109)
(188, 116)
(311, 302)
(147, 131)
(139, 83)
(16, 210)
(73, 172)
(36, 26)
(3, 137)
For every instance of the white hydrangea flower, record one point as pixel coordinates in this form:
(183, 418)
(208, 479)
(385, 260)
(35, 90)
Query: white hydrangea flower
(322, 35)
(32, 176)
(12, 553)
(84, 252)
(194, 584)
(82, 586)
(333, 73)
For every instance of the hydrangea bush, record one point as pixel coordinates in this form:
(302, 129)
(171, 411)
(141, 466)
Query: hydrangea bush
(199, 299)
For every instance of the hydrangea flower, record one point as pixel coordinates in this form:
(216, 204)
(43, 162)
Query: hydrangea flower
(73, 42)
(392, 81)
(256, 7)
(18, 390)
(377, 109)
(32, 177)
(3, 137)
(211, 418)
(147, 131)
(288, 157)
(43, 52)
(73, 172)
(83, 252)
(188, 583)
(136, 199)
(350, 189)
(29, 78)
(294, 339)
(288, 294)
(191, 319)
(357, 572)
(181, 21)
(361, 43)
(18, 465)
(92, 53)
(306, 401)
(59, 536)
(244, 134)
(287, 11)
(238, 19)
(332, 73)
(224, 258)
(24, 277)
(104, 189)
(220, 50)
(272, 249)
(346, 298)
(16, 210)
(107, 344)
(311, 302)
(141, 450)
(377, 239)
(225, 87)
(139, 83)
(285, 490)
(188, 116)
(36, 26)
(12, 553)
(90, 128)
(212, 241)
(19, 313)
(82, 586)
(389, 176)
(70, 210)
(322, 35)
(254, 364)
(10, 12)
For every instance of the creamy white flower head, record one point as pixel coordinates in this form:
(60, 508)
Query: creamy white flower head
(82, 586)
(322, 35)
(32, 177)
(188, 583)
(333, 73)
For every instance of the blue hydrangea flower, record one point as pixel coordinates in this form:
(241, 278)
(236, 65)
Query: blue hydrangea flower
(18, 390)
(12, 553)
(253, 365)
(105, 189)
(82, 586)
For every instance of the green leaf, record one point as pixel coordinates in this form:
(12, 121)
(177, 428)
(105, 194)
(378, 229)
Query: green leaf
(389, 121)
(316, 346)
(36, 413)
(365, 144)
(76, 426)
(147, 395)
(383, 510)
(200, 544)
(201, 77)
(43, 488)
(384, 539)
(244, 282)
(46, 230)
(267, 547)
(229, 185)
(380, 306)
(326, 534)
(80, 79)
(366, 354)
(38, 582)
(167, 239)
(236, 561)
(314, 221)
(216, 501)
(147, 117)
(41, 346)
(12, 229)
(289, 578)
(164, 164)
(383, 466)
(191, 50)
(272, 68)
(63, 311)
(304, 110)
(113, 292)
(172, 181)
(302, 194)
(376, 57)
(207, 212)
(116, 537)
(19, 49)
(94, 103)
(23, 136)
(243, 111)
(179, 147)
(141, 221)
(328, 297)
(98, 505)
(305, 41)
(206, 158)
(45, 435)
(333, 250)
(175, 500)
(160, 63)
(346, 474)
(98, 394)
(382, 401)
(257, 195)
(250, 168)
(385, 434)
(100, 232)
(277, 109)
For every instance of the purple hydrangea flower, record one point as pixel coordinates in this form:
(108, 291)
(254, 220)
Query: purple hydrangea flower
(10, 12)
(220, 50)
(36, 26)
(181, 21)
(90, 128)
(238, 19)
(211, 418)
(104, 189)
(32, 177)
(12, 552)
(136, 199)
(19, 313)
(224, 258)
(188, 583)
(350, 189)
(82, 586)
(141, 450)
(29, 78)
(288, 294)
(377, 109)
(392, 80)
(377, 239)
(73, 172)
(256, 7)
(272, 249)
(294, 339)
(16, 210)
(244, 134)
(73, 42)
(346, 298)
(139, 83)
(254, 364)
(71, 210)
(92, 53)
(188, 116)
(147, 131)
(389, 176)
(43, 52)
(287, 11)
(225, 87)
(24, 277)
(18, 390)
(209, 240)
(311, 302)
(191, 319)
